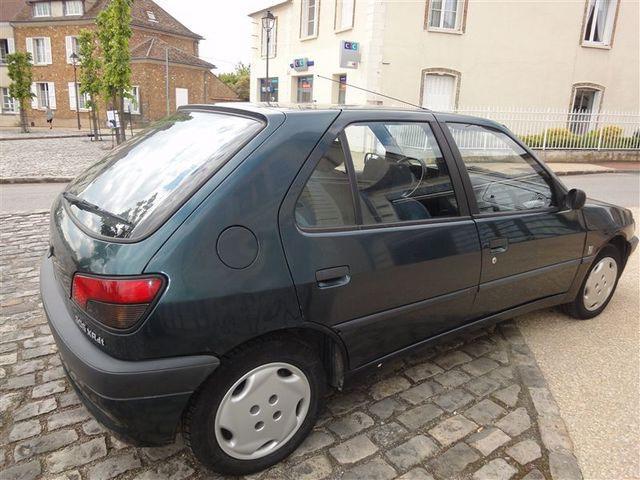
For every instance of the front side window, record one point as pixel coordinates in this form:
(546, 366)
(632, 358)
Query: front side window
(445, 14)
(146, 179)
(400, 172)
(326, 200)
(599, 20)
(505, 178)
(42, 9)
(304, 89)
(73, 7)
(344, 14)
(439, 91)
(309, 18)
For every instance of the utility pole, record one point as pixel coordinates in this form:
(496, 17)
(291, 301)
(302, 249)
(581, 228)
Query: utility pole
(267, 24)
(166, 77)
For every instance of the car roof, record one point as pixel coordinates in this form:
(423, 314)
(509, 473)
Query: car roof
(269, 109)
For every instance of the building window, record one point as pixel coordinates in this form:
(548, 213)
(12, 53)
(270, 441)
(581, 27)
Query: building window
(309, 18)
(342, 88)
(42, 9)
(71, 46)
(73, 7)
(133, 104)
(44, 95)
(440, 90)
(83, 98)
(445, 15)
(4, 50)
(344, 14)
(40, 50)
(9, 104)
(151, 16)
(269, 90)
(598, 27)
(304, 89)
(585, 106)
(273, 37)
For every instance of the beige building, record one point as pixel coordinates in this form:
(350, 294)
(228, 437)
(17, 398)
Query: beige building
(580, 55)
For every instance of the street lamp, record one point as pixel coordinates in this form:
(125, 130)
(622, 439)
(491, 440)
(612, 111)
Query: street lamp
(74, 57)
(268, 22)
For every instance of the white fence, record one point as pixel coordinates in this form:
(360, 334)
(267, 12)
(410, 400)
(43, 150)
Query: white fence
(563, 129)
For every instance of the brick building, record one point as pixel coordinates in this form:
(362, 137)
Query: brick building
(49, 30)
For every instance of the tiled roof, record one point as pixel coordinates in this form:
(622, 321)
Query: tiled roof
(154, 49)
(139, 17)
(9, 9)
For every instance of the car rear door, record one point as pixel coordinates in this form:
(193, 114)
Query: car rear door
(378, 235)
(531, 244)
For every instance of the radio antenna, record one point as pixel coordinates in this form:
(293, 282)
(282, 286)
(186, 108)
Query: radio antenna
(371, 91)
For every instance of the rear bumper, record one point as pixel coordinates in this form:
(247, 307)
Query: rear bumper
(142, 401)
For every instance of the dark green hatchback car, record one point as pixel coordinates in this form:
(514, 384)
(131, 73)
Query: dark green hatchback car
(220, 270)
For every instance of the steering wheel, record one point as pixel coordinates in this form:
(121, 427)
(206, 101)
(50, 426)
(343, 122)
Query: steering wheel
(423, 168)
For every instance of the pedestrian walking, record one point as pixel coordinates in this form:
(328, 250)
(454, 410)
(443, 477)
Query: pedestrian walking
(50, 117)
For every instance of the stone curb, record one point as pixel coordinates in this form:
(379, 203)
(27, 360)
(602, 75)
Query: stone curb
(16, 180)
(46, 137)
(554, 434)
(587, 172)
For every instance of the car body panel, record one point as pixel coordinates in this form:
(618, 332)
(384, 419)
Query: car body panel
(409, 284)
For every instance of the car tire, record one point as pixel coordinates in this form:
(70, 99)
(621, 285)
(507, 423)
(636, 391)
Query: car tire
(598, 287)
(245, 399)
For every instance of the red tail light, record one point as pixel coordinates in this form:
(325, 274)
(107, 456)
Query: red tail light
(115, 302)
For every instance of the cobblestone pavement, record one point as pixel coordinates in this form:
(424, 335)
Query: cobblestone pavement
(477, 407)
(51, 157)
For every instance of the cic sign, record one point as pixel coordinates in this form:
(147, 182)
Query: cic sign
(349, 54)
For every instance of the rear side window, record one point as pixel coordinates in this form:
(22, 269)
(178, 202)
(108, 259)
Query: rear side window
(141, 183)
(326, 199)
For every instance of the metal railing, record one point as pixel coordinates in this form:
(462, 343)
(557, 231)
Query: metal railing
(550, 129)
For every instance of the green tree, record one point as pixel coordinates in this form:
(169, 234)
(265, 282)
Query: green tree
(238, 80)
(90, 73)
(114, 32)
(21, 75)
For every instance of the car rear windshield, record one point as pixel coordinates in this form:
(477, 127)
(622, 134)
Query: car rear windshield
(133, 190)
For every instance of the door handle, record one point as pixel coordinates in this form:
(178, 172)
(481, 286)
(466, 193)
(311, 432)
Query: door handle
(498, 245)
(333, 277)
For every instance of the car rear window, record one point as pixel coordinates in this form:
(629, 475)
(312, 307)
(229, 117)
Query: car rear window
(142, 182)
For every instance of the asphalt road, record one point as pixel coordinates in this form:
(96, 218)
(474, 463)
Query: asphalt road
(618, 188)
(28, 197)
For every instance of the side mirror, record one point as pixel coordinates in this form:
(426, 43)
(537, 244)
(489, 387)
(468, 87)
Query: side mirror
(575, 199)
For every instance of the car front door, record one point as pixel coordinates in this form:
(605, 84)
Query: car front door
(531, 244)
(378, 235)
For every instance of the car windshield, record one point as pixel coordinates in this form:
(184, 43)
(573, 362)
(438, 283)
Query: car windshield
(128, 193)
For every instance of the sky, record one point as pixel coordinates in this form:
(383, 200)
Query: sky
(224, 24)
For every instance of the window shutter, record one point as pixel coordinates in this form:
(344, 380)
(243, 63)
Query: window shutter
(68, 44)
(52, 95)
(47, 51)
(30, 48)
(34, 99)
(72, 95)
(11, 45)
